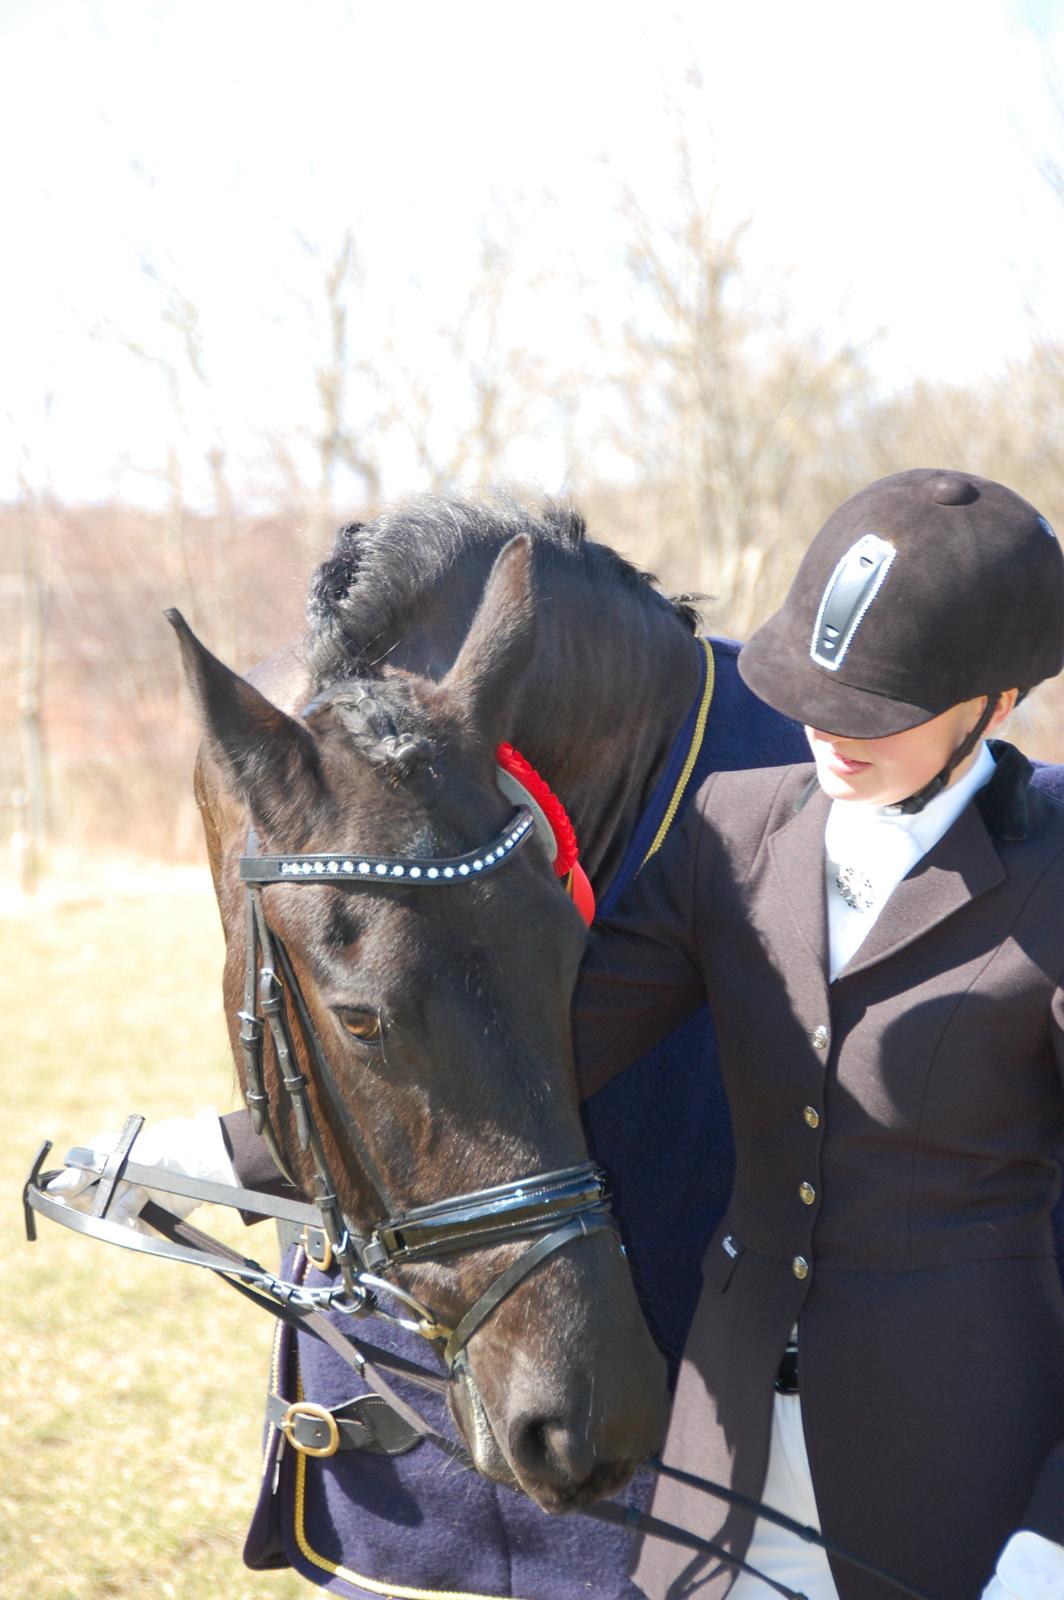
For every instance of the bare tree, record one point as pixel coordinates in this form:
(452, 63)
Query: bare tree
(340, 443)
(733, 422)
(30, 796)
(482, 389)
(197, 552)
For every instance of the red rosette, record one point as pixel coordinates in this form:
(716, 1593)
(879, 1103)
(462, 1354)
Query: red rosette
(583, 894)
(513, 762)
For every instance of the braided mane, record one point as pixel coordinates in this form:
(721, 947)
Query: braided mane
(371, 587)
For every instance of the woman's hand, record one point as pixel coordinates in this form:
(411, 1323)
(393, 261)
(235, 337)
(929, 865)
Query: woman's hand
(191, 1146)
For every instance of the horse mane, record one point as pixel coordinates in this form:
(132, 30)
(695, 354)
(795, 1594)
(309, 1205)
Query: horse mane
(370, 585)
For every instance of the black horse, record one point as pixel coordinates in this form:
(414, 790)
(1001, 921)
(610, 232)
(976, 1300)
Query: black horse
(444, 1015)
(438, 632)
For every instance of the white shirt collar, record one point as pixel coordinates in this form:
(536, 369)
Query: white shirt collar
(880, 847)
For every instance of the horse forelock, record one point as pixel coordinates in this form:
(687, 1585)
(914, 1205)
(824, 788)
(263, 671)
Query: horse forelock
(382, 721)
(380, 574)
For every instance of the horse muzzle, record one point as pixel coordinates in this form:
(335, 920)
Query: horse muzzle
(562, 1415)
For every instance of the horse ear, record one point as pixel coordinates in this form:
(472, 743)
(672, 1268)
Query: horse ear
(500, 643)
(266, 758)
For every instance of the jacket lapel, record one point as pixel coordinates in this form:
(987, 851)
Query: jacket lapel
(797, 854)
(961, 866)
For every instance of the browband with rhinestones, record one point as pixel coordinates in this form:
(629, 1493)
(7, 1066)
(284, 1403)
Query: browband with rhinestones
(333, 867)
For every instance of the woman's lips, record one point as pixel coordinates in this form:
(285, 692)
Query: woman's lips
(843, 766)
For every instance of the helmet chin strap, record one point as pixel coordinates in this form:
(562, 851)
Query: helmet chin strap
(917, 802)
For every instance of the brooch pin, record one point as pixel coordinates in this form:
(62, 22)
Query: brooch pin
(856, 889)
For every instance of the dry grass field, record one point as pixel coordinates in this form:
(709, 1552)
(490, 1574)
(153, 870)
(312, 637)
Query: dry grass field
(130, 1415)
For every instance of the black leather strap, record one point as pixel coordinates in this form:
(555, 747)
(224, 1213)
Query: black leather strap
(210, 1254)
(115, 1166)
(325, 1077)
(356, 870)
(205, 1190)
(516, 1272)
(732, 1497)
(487, 1216)
(251, 1033)
(635, 1522)
(366, 1422)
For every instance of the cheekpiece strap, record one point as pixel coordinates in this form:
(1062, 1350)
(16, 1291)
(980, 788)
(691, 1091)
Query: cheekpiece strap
(425, 871)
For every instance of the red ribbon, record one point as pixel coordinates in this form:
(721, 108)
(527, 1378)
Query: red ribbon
(566, 860)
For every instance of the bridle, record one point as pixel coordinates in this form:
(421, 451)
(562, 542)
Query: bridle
(552, 1208)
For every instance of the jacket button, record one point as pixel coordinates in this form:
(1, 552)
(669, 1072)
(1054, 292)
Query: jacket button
(819, 1038)
(800, 1267)
(806, 1193)
(812, 1116)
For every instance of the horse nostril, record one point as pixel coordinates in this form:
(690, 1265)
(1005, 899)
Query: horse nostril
(545, 1449)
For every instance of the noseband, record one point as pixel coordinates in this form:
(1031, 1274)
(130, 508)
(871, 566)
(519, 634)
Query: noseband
(551, 1208)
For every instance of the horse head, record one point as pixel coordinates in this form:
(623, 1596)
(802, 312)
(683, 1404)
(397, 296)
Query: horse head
(442, 1015)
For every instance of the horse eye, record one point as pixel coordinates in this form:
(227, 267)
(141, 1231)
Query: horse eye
(362, 1025)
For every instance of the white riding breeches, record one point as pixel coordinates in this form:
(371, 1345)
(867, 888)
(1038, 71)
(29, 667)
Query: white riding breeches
(788, 1488)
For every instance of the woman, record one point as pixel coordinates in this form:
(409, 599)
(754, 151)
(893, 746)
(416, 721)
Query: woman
(879, 1347)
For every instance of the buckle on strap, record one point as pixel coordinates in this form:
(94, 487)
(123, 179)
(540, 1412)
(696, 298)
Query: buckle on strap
(366, 1423)
(322, 1428)
(323, 1262)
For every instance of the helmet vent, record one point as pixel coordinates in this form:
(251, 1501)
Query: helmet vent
(852, 587)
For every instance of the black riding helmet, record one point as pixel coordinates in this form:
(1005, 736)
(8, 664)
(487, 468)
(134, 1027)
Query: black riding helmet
(926, 589)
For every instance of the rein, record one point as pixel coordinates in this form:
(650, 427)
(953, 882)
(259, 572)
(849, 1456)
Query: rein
(303, 1422)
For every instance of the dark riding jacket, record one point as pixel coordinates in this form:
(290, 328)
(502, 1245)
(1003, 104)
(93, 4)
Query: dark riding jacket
(894, 1136)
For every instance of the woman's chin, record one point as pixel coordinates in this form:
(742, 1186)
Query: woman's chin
(840, 786)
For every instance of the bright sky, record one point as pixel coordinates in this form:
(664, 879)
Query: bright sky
(888, 154)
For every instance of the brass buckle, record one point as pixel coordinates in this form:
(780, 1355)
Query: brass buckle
(326, 1260)
(308, 1408)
